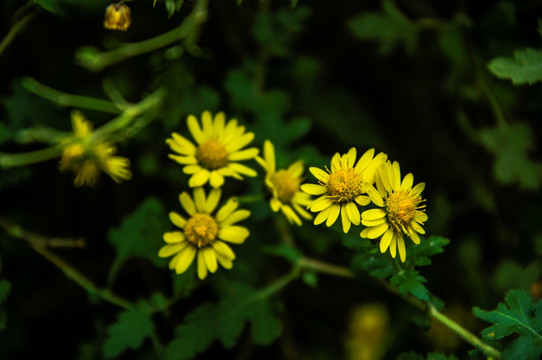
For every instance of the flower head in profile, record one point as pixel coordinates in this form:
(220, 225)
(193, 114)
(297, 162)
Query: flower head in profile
(284, 186)
(217, 151)
(343, 187)
(87, 156)
(203, 234)
(401, 212)
(117, 17)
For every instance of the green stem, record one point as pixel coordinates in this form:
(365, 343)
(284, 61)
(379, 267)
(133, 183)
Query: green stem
(64, 99)
(31, 157)
(94, 60)
(82, 280)
(278, 284)
(15, 30)
(341, 271)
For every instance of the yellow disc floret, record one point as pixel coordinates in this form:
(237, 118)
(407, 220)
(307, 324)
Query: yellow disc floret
(212, 154)
(285, 185)
(344, 185)
(201, 230)
(401, 210)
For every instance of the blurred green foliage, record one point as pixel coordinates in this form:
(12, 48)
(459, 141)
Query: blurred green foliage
(434, 85)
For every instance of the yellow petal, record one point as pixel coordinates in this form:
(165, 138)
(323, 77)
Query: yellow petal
(183, 160)
(373, 214)
(417, 227)
(173, 237)
(322, 216)
(393, 246)
(417, 190)
(413, 235)
(375, 196)
(269, 155)
(319, 174)
(407, 182)
(376, 231)
(220, 121)
(240, 142)
(351, 157)
(195, 130)
(345, 220)
(365, 159)
(242, 169)
(314, 189)
(396, 183)
(185, 259)
(224, 261)
(223, 249)
(187, 203)
(246, 154)
(191, 169)
(386, 240)
(353, 213)
(207, 122)
(333, 215)
(177, 219)
(235, 217)
(216, 179)
(212, 200)
(401, 247)
(227, 209)
(321, 204)
(233, 234)
(199, 199)
(202, 267)
(170, 249)
(335, 162)
(210, 258)
(362, 200)
(199, 178)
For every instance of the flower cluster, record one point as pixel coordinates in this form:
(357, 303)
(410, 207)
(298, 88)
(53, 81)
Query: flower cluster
(86, 155)
(215, 154)
(400, 208)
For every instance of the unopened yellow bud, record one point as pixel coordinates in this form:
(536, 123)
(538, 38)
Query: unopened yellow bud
(117, 17)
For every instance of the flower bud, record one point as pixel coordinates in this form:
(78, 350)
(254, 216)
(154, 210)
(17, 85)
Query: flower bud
(117, 17)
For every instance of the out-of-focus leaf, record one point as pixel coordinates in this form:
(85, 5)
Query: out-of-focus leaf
(287, 252)
(419, 255)
(389, 28)
(225, 321)
(140, 234)
(410, 282)
(172, 6)
(510, 144)
(132, 327)
(524, 68)
(49, 5)
(521, 316)
(376, 264)
(510, 275)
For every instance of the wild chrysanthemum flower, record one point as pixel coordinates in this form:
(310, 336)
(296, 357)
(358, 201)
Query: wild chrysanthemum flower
(284, 186)
(217, 151)
(342, 187)
(401, 210)
(117, 17)
(204, 234)
(86, 156)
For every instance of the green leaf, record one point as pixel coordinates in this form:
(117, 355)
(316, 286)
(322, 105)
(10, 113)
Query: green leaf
(140, 234)
(510, 144)
(518, 316)
(172, 6)
(224, 322)
(49, 5)
(287, 252)
(419, 255)
(389, 28)
(410, 282)
(4, 290)
(132, 327)
(524, 68)
(185, 283)
(376, 264)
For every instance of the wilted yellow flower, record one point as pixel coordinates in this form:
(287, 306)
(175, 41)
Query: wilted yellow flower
(217, 152)
(284, 186)
(368, 332)
(343, 187)
(401, 211)
(117, 17)
(203, 234)
(86, 156)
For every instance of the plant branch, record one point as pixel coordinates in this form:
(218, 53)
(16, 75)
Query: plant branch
(15, 30)
(336, 270)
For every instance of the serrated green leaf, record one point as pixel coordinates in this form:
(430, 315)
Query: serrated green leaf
(132, 327)
(419, 255)
(519, 315)
(140, 234)
(224, 322)
(510, 144)
(410, 282)
(377, 265)
(524, 68)
(389, 28)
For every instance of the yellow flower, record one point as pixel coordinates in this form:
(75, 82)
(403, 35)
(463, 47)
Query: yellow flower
(284, 186)
(217, 152)
(86, 156)
(203, 234)
(343, 187)
(401, 211)
(117, 17)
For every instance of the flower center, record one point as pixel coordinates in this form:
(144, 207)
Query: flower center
(401, 210)
(201, 229)
(285, 185)
(212, 154)
(344, 185)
